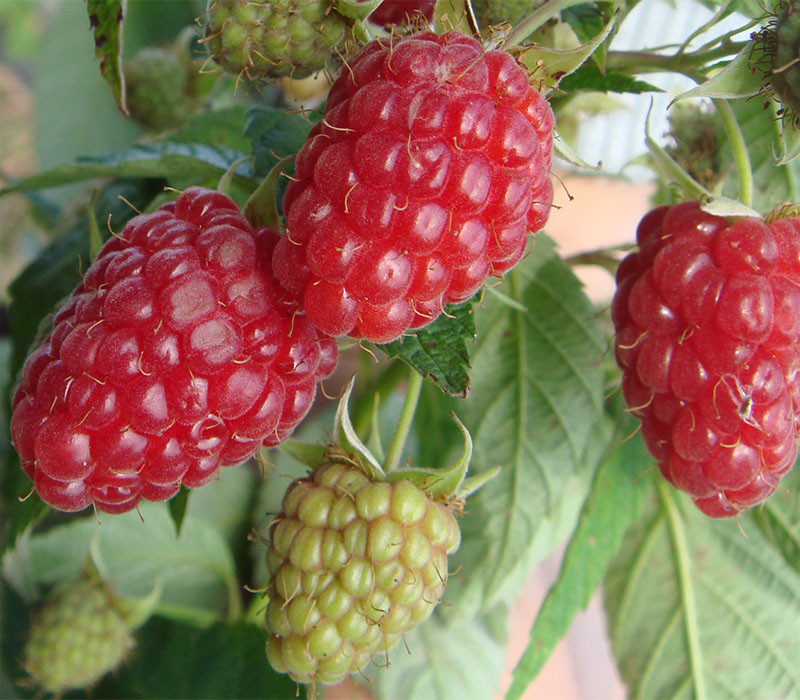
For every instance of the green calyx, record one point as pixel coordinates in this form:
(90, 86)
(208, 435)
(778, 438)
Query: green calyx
(785, 76)
(265, 41)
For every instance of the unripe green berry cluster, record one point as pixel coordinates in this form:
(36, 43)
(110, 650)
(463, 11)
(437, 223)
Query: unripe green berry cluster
(353, 565)
(261, 41)
(76, 637)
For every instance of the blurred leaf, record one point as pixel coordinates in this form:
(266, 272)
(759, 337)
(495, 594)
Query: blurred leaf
(779, 518)
(173, 660)
(439, 351)
(697, 608)
(587, 20)
(105, 19)
(537, 386)
(455, 659)
(153, 160)
(614, 502)
(222, 128)
(276, 134)
(590, 77)
(195, 569)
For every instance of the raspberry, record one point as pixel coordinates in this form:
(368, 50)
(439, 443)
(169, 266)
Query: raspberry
(353, 565)
(707, 314)
(76, 637)
(159, 84)
(176, 354)
(269, 40)
(429, 170)
(403, 12)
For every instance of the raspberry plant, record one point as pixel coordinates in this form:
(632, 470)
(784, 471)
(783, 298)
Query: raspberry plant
(374, 181)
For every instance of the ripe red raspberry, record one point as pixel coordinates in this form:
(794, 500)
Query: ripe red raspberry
(403, 11)
(176, 354)
(707, 314)
(429, 170)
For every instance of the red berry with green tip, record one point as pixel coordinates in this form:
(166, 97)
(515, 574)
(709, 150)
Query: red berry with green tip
(427, 174)
(707, 314)
(176, 354)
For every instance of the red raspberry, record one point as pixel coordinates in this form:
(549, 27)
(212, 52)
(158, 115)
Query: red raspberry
(429, 170)
(707, 314)
(176, 354)
(403, 11)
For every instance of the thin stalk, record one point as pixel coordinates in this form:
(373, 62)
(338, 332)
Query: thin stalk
(678, 536)
(645, 62)
(535, 20)
(395, 451)
(741, 157)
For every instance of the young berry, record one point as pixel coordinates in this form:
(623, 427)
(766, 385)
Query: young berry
(177, 353)
(427, 174)
(353, 565)
(76, 637)
(265, 41)
(707, 314)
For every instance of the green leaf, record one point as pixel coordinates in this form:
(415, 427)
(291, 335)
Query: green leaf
(276, 134)
(613, 504)
(177, 508)
(736, 79)
(154, 160)
(458, 658)
(105, 19)
(537, 387)
(698, 608)
(135, 550)
(223, 128)
(173, 660)
(761, 129)
(439, 351)
(590, 77)
(587, 20)
(552, 65)
(779, 518)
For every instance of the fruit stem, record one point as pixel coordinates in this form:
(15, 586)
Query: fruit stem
(395, 450)
(683, 565)
(535, 20)
(740, 155)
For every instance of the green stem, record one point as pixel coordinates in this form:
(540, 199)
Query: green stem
(535, 20)
(395, 450)
(678, 536)
(740, 155)
(361, 408)
(646, 62)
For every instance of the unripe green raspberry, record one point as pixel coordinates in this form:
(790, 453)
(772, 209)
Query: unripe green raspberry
(76, 637)
(159, 88)
(785, 77)
(353, 565)
(268, 40)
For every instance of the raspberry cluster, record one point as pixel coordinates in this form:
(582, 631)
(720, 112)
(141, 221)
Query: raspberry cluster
(707, 314)
(177, 353)
(354, 564)
(76, 637)
(427, 174)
